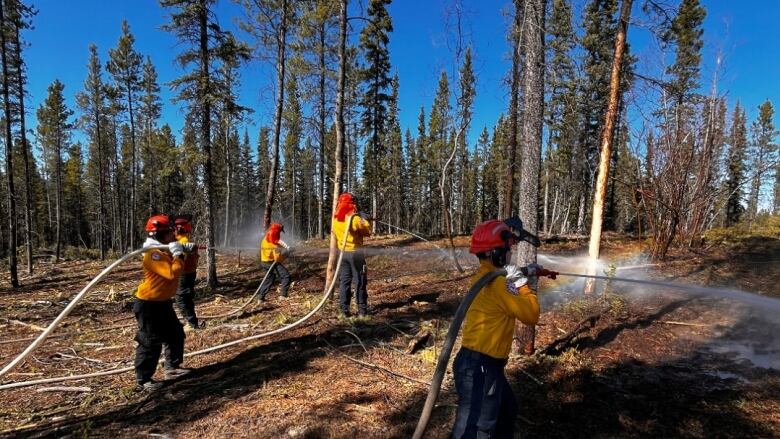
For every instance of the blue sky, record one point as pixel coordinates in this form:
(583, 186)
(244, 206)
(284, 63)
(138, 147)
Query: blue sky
(746, 31)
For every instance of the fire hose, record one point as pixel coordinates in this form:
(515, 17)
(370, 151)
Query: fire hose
(108, 269)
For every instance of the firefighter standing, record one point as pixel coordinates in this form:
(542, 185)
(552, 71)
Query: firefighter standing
(158, 326)
(353, 262)
(486, 404)
(273, 249)
(185, 295)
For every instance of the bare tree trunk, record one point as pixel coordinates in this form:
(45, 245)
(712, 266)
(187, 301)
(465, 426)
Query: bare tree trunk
(506, 205)
(281, 40)
(25, 154)
(321, 170)
(533, 120)
(607, 136)
(228, 178)
(340, 140)
(132, 232)
(9, 161)
(205, 117)
(58, 197)
(444, 204)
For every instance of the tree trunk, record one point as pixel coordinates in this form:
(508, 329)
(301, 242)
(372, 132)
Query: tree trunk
(321, 171)
(280, 83)
(203, 92)
(25, 154)
(514, 102)
(132, 232)
(228, 177)
(340, 131)
(9, 167)
(533, 120)
(607, 136)
(58, 197)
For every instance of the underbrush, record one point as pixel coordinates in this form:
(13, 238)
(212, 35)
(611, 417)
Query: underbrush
(765, 226)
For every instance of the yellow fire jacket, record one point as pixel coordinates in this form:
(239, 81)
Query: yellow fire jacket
(360, 229)
(191, 259)
(161, 276)
(270, 252)
(490, 321)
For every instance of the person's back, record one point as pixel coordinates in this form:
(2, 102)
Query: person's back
(349, 229)
(272, 254)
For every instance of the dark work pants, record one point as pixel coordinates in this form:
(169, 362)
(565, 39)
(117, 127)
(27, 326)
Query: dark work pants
(486, 404)
(353, 267)
(278, 272)
(185, 298)
(158, 328)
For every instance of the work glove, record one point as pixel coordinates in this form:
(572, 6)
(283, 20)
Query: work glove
(190, 247)
(176, 249)
(515, 278)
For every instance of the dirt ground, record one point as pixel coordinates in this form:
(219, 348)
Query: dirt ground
(631, 363)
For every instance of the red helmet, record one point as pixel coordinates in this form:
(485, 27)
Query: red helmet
(345, 206)
(274, 233)
(490, 235)
(158, 223)
(183, 225)
(346, 197)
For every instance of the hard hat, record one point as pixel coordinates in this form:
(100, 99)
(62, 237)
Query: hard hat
(183, 224)
(491, 235)
(158, 223)
(346, 197)
(274, 231)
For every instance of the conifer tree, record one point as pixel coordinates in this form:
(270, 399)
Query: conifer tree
(375, 76)
(125, 67)
(762, 152)
(193, 22)
(466, 94)
(735, 166)
(19, 18)
(149, 111)
(54, 128)
(91, 103)
(9, 154)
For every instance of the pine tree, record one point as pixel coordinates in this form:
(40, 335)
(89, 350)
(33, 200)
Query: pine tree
(439, 126)
(374, 40)
(193, 23)
(466, 94)
(393, 181)
(9, 154)
(292, 122)
(762, 151)
(54, 134)
(149, 111)
(125, 67)
(735, 166)
(91, 103)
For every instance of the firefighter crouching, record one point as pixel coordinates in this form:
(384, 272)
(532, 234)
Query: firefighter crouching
(353, 262)
(158, 326)
(273, 249)
(486, 404)
(185, 294)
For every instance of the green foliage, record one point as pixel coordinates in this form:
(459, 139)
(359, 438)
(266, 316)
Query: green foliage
(765, 226)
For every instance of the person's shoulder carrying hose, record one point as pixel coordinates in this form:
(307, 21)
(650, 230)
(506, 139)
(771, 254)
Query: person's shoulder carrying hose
(446, 350)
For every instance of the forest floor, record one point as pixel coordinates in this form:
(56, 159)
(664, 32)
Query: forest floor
(631, 363)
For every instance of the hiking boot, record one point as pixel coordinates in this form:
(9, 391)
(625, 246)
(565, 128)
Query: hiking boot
(176, 372)
(150, 386)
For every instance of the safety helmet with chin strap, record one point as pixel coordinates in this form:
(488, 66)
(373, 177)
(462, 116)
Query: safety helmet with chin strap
(492, 239)
(183, 224)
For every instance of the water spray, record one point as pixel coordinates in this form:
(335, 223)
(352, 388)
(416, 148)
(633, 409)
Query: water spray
(328, 291)
(444, 252)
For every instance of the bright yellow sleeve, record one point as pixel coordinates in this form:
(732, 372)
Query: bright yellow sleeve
(523, 306)
(162, 267)
(361, 226)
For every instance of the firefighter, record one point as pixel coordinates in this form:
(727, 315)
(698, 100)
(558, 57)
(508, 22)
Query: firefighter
(273, 249)
(158, 326)
(185, 295)
(486, 404)
(353, 262)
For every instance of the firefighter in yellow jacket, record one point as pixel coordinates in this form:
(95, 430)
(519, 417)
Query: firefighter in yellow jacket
(158, 326)
(486, 404)
(185, 294)
(273, 252)
(353, 262)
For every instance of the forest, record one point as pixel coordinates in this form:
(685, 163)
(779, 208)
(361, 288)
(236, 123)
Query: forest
(600, 149)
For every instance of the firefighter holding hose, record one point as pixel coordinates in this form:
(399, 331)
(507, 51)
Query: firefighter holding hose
(273, 251)
(185, 294)
(486, 404)
(353, 263)
(158, 326)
